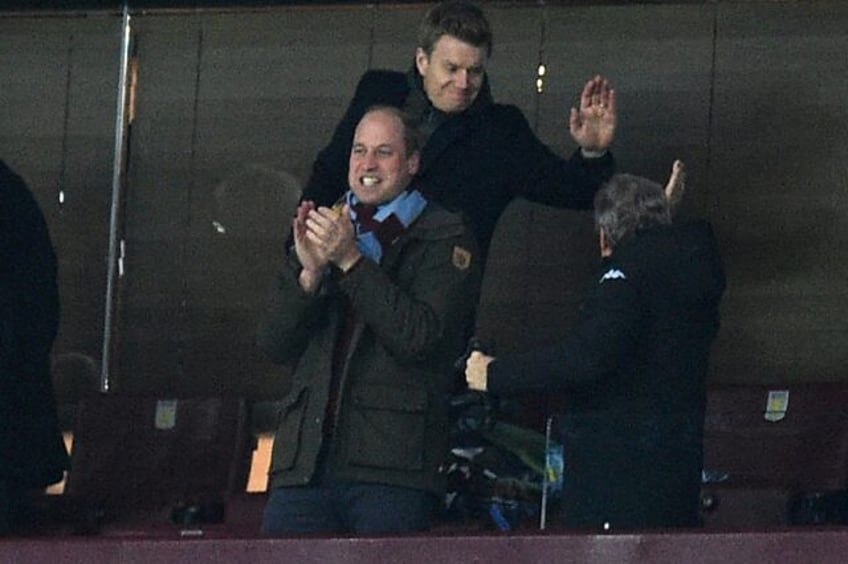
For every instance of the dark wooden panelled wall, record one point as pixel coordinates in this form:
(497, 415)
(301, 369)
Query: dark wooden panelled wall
(230, 107)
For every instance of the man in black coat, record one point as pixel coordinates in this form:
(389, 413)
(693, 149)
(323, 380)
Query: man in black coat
(478, 155)
(32, 453)
(633, 368)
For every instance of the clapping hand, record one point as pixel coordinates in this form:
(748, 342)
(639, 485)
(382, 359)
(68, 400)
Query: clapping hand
(309, 253)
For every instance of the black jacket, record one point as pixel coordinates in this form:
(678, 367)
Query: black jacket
(633, 370)
(475, 162)
(32, 453)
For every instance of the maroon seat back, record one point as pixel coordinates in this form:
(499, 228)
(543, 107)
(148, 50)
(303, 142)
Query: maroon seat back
(136, 454)
(801, 448)
(767, 447)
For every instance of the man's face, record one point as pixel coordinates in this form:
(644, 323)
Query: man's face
(379, 167)
(452, 73)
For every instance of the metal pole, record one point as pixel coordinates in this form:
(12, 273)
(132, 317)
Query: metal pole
(117, 180)
(543, 510)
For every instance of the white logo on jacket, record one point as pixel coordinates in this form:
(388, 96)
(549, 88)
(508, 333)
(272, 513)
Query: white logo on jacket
(613, 274)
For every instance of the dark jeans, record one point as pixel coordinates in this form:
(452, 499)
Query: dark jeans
(358, 508)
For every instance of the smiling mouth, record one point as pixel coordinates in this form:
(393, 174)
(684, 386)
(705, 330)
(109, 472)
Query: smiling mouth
(369, 180)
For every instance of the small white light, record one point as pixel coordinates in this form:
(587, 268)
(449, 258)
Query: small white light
(219, 227)
(122, 252)
(541, 71)
(61, 197)
(540, 85)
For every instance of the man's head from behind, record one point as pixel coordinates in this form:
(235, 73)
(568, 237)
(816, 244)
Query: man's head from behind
(454, 44)
(625, 205)
(384, 156)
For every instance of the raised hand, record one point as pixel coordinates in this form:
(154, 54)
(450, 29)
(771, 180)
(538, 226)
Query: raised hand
(676, 185)
(593, 124)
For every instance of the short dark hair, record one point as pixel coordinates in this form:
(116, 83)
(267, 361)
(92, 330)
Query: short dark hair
(411, 135)
(627, 204)
(458, 18)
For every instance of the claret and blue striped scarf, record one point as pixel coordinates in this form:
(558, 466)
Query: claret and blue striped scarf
(377, 227)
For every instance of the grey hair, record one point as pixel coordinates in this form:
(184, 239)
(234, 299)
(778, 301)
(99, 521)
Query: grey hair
(627, 204)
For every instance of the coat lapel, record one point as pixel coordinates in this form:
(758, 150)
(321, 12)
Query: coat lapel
(442, 139)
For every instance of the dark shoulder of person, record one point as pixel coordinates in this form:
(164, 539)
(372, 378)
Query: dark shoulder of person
(666, 258)
(17, 199)
(439, 222)
(382, 86)
(501, 119)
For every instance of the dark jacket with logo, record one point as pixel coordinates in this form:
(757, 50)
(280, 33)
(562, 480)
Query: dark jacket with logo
(32, 453)
(413, 311)
(475, 162)
(633, 373)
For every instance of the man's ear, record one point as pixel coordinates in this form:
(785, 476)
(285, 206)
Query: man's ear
(422, 61)
(414, 163)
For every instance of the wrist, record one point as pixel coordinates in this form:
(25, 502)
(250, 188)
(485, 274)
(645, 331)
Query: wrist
(309, 280)
(349, 260)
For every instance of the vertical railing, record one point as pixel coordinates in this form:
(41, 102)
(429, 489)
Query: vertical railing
(117, 185)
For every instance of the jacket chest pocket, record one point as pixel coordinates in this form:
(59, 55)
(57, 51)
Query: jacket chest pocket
(388, 427)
